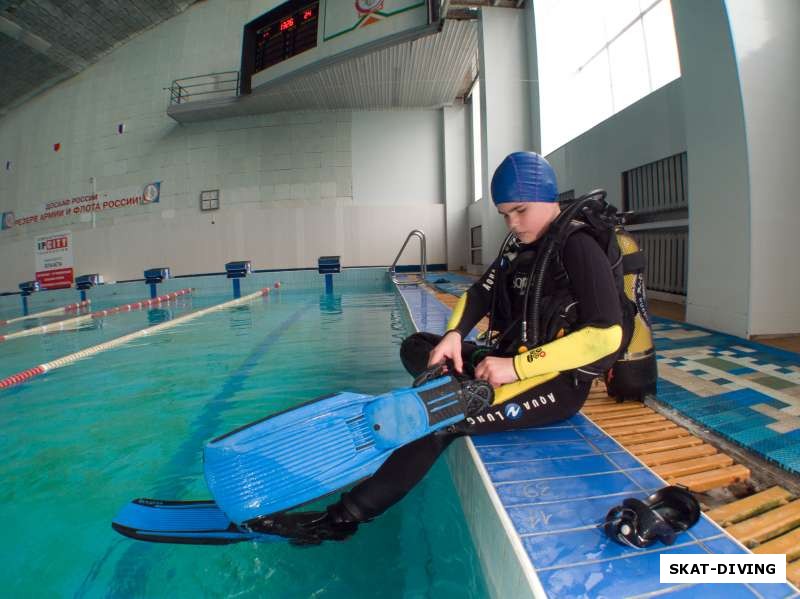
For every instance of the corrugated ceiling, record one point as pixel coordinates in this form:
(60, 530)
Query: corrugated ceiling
(43, 42)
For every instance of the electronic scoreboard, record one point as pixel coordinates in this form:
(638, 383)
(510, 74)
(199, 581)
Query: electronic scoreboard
(286, 36)
(324, 31)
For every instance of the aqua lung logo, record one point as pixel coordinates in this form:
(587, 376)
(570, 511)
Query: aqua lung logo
(514, 411)
(489, 282)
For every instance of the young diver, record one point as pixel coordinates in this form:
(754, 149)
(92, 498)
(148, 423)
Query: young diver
(581, 335)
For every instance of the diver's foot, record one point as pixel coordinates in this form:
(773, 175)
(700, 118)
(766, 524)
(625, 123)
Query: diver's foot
(304, 528)
(476, 395)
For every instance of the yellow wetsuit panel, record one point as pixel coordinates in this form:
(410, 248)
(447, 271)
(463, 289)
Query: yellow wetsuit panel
(457, 314)
(511, 390)
(577, 349)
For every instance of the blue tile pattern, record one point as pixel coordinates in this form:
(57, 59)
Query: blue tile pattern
(744, 391)
(557, 483)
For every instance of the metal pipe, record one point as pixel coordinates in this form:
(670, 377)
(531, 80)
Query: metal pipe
(423, 257)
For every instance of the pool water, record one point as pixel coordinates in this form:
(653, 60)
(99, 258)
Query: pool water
(81, 441)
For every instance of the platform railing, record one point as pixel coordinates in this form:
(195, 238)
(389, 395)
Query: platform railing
(202, 87)
(423, 259)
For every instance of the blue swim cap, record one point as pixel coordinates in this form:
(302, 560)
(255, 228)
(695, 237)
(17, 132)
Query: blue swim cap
(524, 177)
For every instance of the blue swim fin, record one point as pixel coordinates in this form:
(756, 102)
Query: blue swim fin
(184, 522)
(307, 452)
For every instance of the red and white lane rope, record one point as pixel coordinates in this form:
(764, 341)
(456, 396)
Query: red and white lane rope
(25, 375)
(54, 312)
(72, 323)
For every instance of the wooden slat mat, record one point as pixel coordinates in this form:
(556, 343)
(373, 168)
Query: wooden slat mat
(767, 522)
(669, 450)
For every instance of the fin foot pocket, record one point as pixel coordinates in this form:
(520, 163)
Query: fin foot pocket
(305, 528)
(661, 517)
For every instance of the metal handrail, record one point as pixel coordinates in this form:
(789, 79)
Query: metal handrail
(180, 91)
(423, 258)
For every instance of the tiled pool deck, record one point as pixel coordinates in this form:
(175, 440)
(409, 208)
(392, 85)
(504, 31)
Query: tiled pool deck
(742, 390)
(549, 489)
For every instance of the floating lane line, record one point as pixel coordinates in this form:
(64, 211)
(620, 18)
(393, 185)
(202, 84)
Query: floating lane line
(54, 312)
(26, 375)
(72, 323)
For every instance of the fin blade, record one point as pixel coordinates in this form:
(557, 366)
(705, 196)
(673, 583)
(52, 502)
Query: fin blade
(181, 522)
(300, 455)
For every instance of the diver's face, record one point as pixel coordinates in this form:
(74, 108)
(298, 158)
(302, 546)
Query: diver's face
(528, 220)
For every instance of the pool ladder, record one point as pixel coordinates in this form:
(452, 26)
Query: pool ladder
(422, 260)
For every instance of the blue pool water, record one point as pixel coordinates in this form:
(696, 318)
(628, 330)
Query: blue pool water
(81, 441)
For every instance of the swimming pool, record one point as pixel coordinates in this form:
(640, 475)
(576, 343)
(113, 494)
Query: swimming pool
(81, 441)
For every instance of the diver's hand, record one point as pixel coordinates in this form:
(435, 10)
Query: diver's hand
(448, 348)
(498, 371)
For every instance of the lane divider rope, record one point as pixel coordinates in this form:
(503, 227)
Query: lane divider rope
(53, 312)
(26, 375)
(72, 323)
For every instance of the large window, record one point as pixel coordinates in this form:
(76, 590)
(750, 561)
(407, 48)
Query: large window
(597, 57)
(477, 169)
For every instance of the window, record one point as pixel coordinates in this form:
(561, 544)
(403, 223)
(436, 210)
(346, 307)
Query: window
(477, 168)
(566, 197)
(596, 57)
(475, 252)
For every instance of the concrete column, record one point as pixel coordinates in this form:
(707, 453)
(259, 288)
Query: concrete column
(457, 184)
(767, 51)
(741, 85)
(505, 104)
(719, 182)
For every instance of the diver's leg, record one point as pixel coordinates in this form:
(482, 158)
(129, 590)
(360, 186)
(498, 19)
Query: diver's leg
(396, 477)
(416, 348)
(534, 402)
(371, 497)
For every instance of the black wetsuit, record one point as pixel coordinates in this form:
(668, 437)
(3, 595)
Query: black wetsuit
(588, 298)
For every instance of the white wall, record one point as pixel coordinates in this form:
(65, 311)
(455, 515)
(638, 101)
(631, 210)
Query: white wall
(651, 129)
(505, 105)
(767, 51)
(274, 171)
(397, 157)
(533, 78)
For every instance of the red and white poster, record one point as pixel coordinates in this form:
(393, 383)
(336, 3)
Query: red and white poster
(54, 260)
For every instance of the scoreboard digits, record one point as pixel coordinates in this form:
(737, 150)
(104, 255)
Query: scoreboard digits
(280, 35)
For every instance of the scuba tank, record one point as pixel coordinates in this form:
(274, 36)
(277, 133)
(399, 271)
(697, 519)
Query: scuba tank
(635, 372)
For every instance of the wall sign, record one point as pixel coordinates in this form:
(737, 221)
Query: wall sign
(54, 266)
(150, 193)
